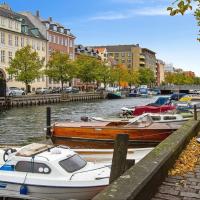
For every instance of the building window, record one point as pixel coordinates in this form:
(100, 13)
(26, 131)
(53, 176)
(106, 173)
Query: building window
(129, 54)
(2, 38)
(2, 56)
(53, 39)
(56, 39)
(16, 25)
(43, 46)
(123, 61)
(71, 43)
(9, 56)
(27, 41)
(116, 54)
(2, 21)
(66, 43)
(50, 38)
(16, 41)
(38, 46)
(60, 41)
(10, 39)
(10, 24)
(22, 42)
(129, 60)
(123, 54)
(33, 44)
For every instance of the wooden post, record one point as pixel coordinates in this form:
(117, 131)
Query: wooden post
(195, 112)
(119, 156)
(48, 123)
(129, 163)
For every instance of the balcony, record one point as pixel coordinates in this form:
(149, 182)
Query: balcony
(142, 63)
(142, 57)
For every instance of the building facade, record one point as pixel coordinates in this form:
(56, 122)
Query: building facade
(16, 32)
(160, 72)
(132, 56)
(59, 38)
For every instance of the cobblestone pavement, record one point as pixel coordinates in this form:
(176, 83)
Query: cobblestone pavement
(185, 187)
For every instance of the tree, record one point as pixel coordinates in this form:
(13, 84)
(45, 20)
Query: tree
(119, 74)
(26, 66)
(146, 76)
(87, 68)
(103, 74)
(181, 6)
(60, 68)
(133, 77)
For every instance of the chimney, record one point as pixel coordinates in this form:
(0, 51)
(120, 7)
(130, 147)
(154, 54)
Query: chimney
(38, 14)
(50, 19)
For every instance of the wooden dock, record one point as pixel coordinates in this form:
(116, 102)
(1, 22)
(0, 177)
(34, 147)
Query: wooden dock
(31, 100)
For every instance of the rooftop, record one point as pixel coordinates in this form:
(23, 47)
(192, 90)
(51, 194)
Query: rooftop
(6, 12)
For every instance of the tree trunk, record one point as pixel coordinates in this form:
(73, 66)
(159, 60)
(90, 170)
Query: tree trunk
(26, 84)
(62, 85)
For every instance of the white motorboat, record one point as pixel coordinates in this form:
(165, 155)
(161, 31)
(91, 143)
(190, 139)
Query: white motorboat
(48, 172)
(156, 117)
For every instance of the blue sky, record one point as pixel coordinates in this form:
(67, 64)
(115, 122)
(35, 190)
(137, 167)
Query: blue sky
(144, 22)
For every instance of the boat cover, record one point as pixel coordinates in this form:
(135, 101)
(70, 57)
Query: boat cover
(139, 110)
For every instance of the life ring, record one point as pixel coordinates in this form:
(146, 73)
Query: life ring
(7, 153)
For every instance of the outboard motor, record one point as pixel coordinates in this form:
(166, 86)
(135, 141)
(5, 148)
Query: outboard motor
(84, 118)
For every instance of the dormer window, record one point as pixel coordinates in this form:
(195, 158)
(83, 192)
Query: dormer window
(55, 28)
(47, 25)
(61, 30)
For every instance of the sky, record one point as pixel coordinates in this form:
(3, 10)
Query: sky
(112, 22)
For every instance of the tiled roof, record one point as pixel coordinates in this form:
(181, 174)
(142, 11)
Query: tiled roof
(25, 21)
(117, 48)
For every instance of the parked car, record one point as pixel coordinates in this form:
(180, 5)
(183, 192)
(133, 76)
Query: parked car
(42, 91)
(56, 90)
(14, 91)
(70, 90)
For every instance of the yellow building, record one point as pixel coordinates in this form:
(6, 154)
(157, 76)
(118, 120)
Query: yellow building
(16, 32)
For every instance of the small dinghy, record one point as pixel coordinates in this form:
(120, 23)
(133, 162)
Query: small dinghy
(48, 172)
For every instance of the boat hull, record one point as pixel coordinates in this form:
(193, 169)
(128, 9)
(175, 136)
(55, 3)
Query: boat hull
(105, 136)
(58, 193)
(113, 96)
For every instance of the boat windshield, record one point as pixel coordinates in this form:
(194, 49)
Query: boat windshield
(143, 121)
(73, 163)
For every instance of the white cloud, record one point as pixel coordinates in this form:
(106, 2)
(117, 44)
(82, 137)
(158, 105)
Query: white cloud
(151, 11)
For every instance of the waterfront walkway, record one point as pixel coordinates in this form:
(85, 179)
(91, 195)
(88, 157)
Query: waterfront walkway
(185, 187)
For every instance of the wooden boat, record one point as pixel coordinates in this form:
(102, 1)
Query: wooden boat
(48, 172)
(141, 130)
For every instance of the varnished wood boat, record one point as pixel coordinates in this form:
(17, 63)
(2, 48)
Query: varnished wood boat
(141, 130)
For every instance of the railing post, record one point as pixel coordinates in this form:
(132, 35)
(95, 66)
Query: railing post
(195, 112)
(119, 156)
(48, 122)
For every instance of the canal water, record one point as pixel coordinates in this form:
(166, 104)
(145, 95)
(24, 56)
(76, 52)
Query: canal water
(23, 125)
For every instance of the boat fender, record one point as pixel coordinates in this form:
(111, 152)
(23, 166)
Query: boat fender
(84, 118)
(24, 190)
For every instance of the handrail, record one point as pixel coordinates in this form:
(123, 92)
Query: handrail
(88, 171)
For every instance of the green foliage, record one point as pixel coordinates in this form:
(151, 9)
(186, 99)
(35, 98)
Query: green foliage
(103, 74)
(180, 79)
(133, 77)
(146, 76)
(181, 6)
(26, 65)
(119, 74)
(87, 68)
(60, 68)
